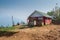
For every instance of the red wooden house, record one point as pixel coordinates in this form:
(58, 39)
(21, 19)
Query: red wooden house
(39, 18)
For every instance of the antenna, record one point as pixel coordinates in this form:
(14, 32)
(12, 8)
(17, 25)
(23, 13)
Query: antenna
(12, 21)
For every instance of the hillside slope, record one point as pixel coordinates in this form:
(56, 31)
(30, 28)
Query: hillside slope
(50, 32)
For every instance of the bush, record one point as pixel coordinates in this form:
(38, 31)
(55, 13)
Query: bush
(57, 20)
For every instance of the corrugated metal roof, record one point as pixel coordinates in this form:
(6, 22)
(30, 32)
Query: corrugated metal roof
(39, 14)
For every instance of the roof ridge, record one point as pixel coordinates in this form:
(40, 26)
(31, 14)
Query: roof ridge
(38, 11)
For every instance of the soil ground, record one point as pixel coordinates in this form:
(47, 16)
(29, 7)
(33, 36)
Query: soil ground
(49, 32)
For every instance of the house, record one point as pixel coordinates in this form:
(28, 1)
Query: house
(39, 18)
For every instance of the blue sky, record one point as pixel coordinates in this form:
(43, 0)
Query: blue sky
(21, 9)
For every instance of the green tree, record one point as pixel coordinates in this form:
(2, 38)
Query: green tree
(50, 13)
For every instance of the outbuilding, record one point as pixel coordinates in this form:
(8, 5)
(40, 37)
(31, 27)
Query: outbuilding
(39, 18)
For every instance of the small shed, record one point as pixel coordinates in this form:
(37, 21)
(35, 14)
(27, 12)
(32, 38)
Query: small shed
(39, 18)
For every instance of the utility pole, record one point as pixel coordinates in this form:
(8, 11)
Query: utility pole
(12, 21)
(53, 12)
(56, 10)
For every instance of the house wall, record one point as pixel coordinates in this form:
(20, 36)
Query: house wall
(39, 22)
(36, 20)
(48, 21)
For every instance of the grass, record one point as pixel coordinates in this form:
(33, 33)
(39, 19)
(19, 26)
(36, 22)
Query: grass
(7, 31)
(6, 28)
(22, 27)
